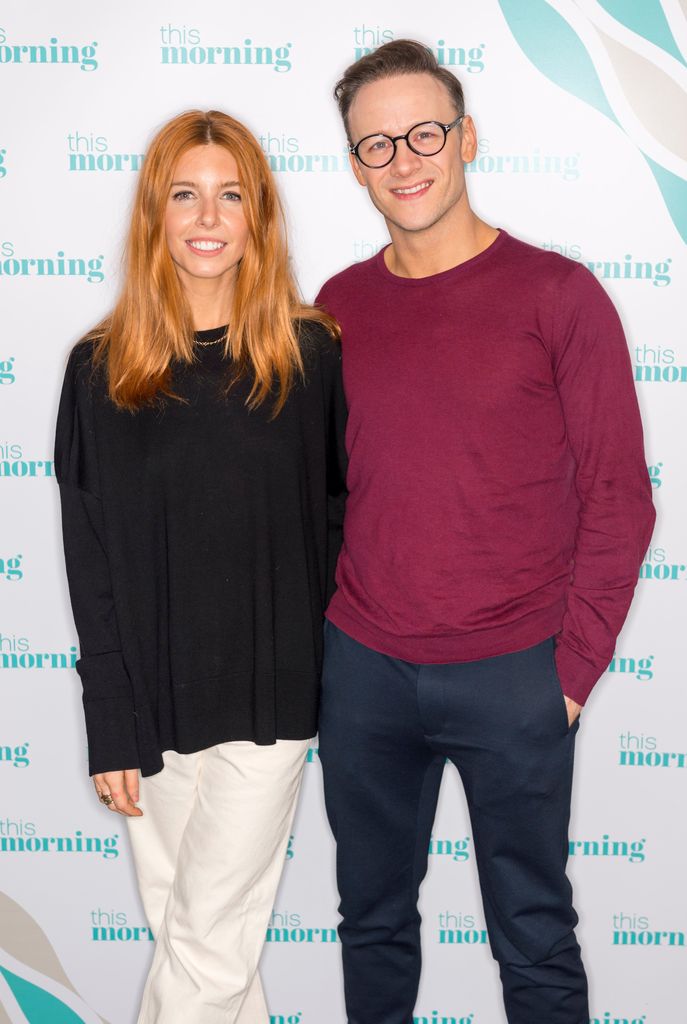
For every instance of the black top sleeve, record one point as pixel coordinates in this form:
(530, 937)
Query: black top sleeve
(107, 694)
(336, 455)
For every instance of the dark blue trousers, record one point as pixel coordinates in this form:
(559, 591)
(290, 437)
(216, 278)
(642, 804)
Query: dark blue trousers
(386, 729)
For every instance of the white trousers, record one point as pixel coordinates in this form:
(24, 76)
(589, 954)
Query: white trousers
(209, 852)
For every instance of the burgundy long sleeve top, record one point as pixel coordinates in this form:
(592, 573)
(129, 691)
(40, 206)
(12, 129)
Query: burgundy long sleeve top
(498, 489)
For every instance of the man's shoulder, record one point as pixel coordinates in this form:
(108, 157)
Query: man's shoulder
(347, 282)
(567, 287)
(535, 260)
(549, 279)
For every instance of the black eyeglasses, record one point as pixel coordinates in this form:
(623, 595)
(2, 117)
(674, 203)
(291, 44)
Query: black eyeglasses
(425, 139)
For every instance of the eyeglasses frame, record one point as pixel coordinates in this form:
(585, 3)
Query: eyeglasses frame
(394, 139)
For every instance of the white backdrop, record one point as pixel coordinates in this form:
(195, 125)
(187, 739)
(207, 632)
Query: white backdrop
(581, 111)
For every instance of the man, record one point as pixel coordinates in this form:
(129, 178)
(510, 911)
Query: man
(499, 508)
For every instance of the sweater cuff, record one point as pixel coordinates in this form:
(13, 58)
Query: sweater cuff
(104, 676)
(111, 731)
(577, 676)
(110, 714)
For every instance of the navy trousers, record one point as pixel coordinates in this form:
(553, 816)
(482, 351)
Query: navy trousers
(386, 729)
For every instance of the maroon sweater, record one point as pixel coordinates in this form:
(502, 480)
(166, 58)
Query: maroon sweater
(498, 491)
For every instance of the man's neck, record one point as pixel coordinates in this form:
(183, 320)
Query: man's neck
(445, 245)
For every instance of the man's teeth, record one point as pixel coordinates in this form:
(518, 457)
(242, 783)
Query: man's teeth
(415, 188)
(207, 246)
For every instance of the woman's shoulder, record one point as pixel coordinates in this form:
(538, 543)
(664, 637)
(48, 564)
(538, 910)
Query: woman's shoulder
(319, 345)
(85, 374)
(82, 354)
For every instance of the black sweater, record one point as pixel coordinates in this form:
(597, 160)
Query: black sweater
(200, 541)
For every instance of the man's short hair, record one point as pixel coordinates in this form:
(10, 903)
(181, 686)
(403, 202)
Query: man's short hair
(399, 57)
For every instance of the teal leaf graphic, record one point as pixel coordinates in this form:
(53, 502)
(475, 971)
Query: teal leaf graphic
(647, 20)
(25, 943)
(674, 192)
(37, 1005)
(556, 50)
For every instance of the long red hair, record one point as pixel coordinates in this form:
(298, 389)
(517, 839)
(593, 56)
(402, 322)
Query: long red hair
(150, 326)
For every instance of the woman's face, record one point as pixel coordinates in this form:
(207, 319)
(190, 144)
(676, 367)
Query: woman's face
(205, 224)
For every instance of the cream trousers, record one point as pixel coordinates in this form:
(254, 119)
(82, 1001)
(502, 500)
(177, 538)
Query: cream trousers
(209, 852)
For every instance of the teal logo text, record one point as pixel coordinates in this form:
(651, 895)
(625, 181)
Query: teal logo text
(52, 52)
(185, 46)
(10, 568)
(18, 755)
(59, 265)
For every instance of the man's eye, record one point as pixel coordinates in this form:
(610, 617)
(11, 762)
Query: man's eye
(426, 135)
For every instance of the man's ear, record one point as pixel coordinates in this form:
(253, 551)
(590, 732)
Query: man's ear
(468, 140)
(357, 170)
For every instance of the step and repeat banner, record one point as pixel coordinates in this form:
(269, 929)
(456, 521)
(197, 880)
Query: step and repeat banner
(581, 110)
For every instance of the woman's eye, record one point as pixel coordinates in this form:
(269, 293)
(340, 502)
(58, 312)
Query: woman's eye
(234, 196)
(178, 196)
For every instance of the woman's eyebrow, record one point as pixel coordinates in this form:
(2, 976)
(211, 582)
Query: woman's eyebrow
(192, 184)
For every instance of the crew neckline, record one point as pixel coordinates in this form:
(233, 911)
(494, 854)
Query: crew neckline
(458, 271)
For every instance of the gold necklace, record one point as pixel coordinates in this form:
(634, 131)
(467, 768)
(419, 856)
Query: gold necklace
(205, 344)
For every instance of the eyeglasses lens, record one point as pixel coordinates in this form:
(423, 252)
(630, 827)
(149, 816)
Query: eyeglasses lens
(425, 139)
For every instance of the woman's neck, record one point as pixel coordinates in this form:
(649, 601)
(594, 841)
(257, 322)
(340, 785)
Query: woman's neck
(210, 306)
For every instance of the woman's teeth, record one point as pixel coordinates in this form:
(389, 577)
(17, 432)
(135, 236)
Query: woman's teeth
(207, 246)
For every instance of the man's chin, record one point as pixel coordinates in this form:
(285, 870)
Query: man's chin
(411, 225)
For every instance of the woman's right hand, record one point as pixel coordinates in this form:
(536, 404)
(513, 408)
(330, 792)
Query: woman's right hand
(123, 788)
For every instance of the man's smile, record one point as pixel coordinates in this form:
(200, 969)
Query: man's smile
(410, 191)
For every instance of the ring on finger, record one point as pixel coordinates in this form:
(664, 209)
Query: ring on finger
(106, 799)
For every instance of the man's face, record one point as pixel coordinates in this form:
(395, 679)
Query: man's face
(412, 192)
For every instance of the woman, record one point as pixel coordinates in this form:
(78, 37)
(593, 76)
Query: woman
(200, 460)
